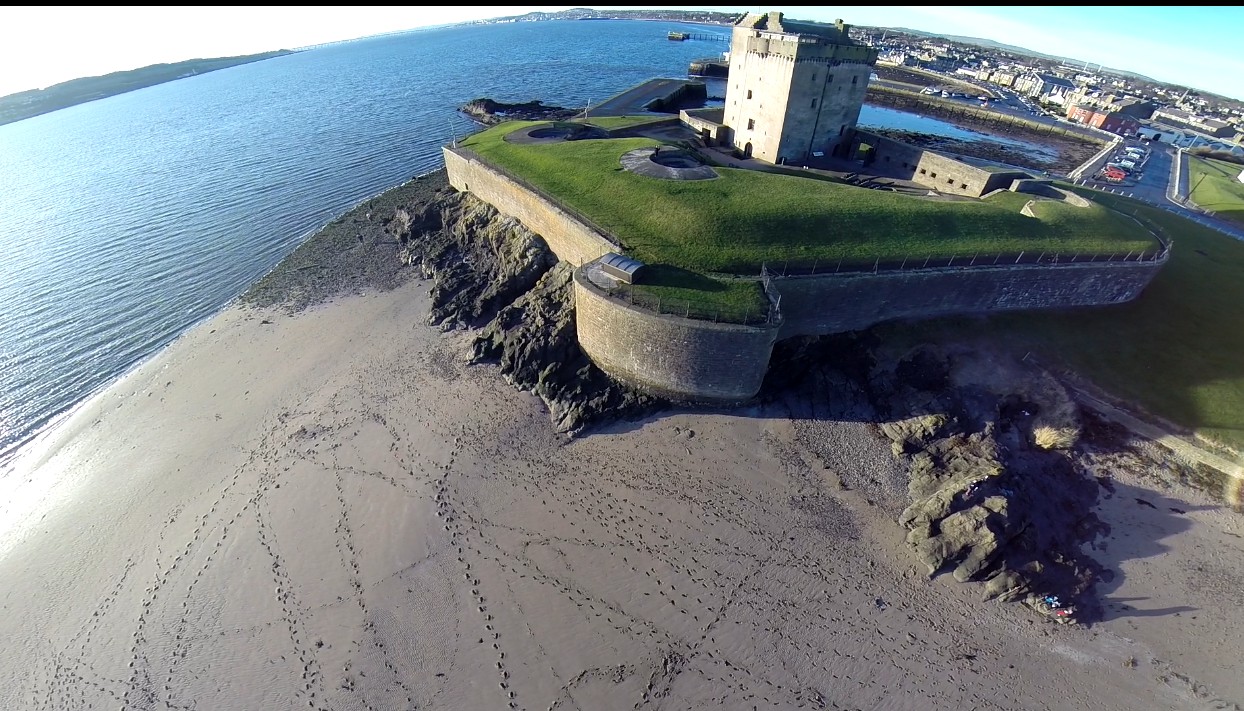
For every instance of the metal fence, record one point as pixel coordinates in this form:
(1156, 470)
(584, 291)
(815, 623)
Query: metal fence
(845, 266)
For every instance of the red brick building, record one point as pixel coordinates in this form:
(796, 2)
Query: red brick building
(1112, 121)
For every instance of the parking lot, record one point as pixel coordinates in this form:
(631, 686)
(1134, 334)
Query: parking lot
(1126, 166)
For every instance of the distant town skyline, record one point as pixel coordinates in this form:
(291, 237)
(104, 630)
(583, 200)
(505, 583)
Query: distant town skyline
(42, 46)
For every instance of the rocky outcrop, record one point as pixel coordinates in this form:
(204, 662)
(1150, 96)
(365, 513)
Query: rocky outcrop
(534, 341)
(490, 273)
(477, 259)
(489, 112)
(354, 253)
(988, 500)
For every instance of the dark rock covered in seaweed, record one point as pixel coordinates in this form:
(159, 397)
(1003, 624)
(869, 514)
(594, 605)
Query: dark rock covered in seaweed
(534, 341)
(477, 259)
(489, 272)
(489, 112)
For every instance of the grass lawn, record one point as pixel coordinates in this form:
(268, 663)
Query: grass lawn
(610, 123)
(672, 290)
(1177, 351)
(733, 224)
(1215, 186)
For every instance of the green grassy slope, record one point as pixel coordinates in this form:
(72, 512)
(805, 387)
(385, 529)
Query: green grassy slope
(1215, 186)
(745, 218)
(1177, 351)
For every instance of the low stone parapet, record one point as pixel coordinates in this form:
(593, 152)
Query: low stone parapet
(683, 359)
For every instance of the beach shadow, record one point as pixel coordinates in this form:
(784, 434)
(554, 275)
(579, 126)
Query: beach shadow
(1136, 523)
(1120, 607)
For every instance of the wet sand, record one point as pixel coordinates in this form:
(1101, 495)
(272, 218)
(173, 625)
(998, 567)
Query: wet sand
(328, 510)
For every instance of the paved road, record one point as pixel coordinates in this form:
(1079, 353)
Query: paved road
(1155, 179)
(1161, 185)
(633, 100)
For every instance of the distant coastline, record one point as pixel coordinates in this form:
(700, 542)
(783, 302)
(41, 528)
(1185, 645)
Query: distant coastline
(699, 17)
(36, 102)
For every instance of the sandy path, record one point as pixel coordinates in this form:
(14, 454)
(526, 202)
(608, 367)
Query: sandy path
(330, 511)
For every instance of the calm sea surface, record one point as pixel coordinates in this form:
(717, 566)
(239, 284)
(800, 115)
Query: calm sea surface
(125, 221)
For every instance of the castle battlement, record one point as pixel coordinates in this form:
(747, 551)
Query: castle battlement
(795, 88)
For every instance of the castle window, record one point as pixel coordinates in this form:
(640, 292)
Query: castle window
(854, 80)
(829, 79)
(813, 77)
(841, 129)
(922, 171)
(814, 103)
(749, 93)
(933, 175)
(963, 186)
(751, 124)
(950, 181)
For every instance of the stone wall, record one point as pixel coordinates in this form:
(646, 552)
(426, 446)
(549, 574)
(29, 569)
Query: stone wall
(835, 303)
(933, 170)
(691, 360)
(679, 358)
(707, 123)
(570, 238)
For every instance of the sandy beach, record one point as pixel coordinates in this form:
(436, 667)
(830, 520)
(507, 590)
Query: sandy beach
(330, 510)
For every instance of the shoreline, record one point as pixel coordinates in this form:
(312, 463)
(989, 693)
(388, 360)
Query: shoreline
(327, 506)
(10, 455)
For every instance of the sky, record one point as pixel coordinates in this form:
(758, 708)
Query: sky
(41, 46)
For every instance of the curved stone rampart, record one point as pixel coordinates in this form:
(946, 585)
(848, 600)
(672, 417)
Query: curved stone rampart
(679, 358)
(569, 237)
(691, 360)
(835, 303)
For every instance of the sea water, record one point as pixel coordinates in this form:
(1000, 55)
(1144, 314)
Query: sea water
(125, 221)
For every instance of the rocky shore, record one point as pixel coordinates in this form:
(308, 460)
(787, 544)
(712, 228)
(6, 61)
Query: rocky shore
(1070, 152)
(325, 502)
(486, 273)
(489, 112)
(996, 491)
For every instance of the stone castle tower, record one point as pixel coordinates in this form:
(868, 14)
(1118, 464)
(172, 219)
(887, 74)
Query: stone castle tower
(795, 88)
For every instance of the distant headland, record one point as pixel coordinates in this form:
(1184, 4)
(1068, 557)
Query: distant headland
(27, 104)
(586, 13)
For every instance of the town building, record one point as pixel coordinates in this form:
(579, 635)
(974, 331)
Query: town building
(1106, 120)
(1209, 126)
(1108, 103)
(1044, 87)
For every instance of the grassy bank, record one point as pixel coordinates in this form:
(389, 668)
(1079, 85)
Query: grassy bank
(744, 218)
(669, 289)
(611, 123)
(1175, 351)
(1215, 186)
